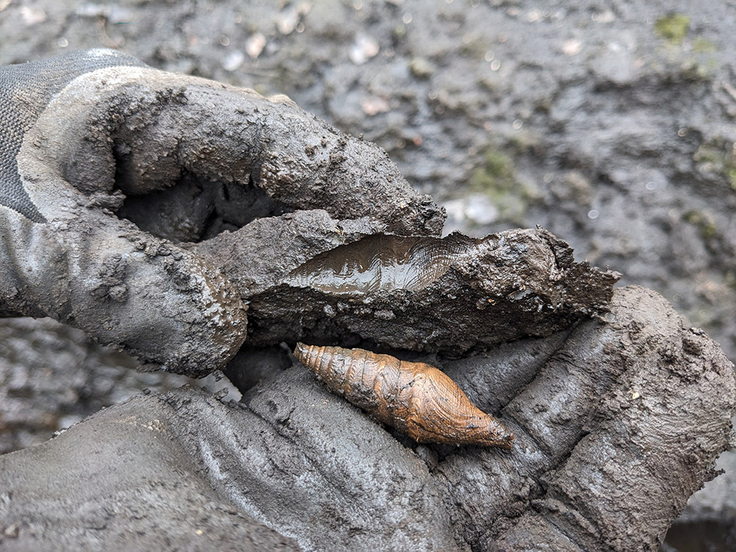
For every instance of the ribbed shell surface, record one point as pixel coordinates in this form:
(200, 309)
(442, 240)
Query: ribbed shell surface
(414, 397)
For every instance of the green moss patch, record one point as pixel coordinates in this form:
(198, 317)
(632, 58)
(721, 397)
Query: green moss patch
(496, 178)
(672, 27)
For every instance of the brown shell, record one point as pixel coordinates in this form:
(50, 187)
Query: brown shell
(414, 397)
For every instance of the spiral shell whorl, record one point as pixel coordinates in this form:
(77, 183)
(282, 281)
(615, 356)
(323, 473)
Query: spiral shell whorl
(414, 397)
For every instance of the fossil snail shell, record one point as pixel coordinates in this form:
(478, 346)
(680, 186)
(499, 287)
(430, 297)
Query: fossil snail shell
(414, 397)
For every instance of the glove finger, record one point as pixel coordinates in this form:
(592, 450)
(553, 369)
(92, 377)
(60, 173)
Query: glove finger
(143, 130)
(25, 91)
(121, 286)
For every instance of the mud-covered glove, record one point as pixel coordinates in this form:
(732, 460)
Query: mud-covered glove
(616, 423)
(616, 420)
(92, 145)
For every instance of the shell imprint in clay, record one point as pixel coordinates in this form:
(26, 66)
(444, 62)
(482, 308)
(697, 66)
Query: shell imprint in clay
(414, 397)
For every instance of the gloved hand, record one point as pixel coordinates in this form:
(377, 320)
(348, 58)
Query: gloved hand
(108, 168)
(616, 423)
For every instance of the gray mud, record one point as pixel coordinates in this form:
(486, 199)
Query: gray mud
(612, 126)
(449, 295)
(53, 376)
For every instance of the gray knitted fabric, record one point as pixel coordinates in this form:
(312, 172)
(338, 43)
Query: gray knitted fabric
(25, 91)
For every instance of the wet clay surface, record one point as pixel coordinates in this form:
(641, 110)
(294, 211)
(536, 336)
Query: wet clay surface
(427, 294)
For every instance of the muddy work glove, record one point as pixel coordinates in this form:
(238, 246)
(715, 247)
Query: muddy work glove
(617, 416)
(108, 169)
(615, 421)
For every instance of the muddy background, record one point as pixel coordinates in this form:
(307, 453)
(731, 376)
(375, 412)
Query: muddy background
(609, 123)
